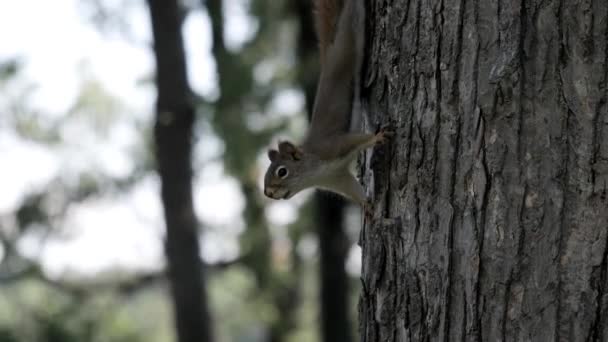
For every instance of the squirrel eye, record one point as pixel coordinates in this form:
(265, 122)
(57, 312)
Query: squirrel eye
(282, 172)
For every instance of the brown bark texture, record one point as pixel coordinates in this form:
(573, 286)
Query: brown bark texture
(491, 217)
(173, 134)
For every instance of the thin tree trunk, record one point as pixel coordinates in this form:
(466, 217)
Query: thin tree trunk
(491, 219)
(333, 245)
(173, 132)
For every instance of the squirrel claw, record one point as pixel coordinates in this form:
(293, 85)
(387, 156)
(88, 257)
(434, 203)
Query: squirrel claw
(383, 135)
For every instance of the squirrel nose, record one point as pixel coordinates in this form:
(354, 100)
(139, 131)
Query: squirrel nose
(268, 193)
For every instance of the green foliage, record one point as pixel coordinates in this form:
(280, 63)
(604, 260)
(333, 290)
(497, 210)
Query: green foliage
(8, 69)
(34, 312)
(96, 105)
(44, 311)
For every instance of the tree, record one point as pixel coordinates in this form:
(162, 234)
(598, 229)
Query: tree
(491, 218)
(173, 133)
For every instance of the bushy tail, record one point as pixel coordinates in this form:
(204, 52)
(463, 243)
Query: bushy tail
(341, 32)
(327, 13)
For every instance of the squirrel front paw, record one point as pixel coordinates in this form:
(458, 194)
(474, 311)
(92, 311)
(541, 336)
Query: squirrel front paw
(383, 135)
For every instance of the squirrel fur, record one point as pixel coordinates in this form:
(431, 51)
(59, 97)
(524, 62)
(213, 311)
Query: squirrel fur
(323, 159)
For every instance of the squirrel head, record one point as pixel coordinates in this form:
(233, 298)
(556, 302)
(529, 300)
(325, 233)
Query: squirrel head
(286, 174)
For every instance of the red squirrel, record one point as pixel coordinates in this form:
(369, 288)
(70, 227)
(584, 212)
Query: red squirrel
(323, 159)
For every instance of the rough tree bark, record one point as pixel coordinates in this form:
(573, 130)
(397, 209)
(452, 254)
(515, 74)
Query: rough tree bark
(173, 133)
(491, 214)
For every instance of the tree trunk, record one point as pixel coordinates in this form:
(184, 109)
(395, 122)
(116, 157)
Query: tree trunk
(491, 215)
(173, 132)
(333, 247)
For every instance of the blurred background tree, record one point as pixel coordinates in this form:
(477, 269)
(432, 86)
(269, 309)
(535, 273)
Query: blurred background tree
(81, 226)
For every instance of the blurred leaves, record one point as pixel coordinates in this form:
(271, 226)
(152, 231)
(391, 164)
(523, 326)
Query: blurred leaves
(268, 291)
(108, 16)
(8, 69)
(96, 105)
(33, 312)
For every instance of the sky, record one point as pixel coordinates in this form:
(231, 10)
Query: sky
(61, 52)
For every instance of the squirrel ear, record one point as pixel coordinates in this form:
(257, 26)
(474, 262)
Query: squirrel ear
(273, 155)
(289, 149)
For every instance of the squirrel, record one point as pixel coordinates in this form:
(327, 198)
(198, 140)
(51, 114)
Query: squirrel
(323, 159)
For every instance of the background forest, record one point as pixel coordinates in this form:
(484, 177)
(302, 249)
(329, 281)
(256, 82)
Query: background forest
(82, 231)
